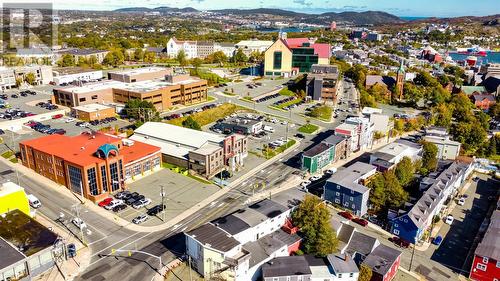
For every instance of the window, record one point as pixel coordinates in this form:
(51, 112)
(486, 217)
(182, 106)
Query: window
(337, 201)
(351, 274)
(351, 198)
(353, 206)
(498, 264)
(92, 181)
(396, 231)
(405, 220)
(115, 180)
(104, 179)
(338, 186)
(481, 266)
(337, 193)
(395, 225)
(340, 275)
(485, 260)
(75, 179)
(277, 60)
(82, 99)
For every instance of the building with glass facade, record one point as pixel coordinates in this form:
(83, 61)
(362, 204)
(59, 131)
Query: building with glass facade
(92, 165)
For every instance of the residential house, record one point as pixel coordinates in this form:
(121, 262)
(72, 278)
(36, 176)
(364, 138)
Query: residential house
(341, 146)
(486, 263)
(483, 101)
(350, 132)
(411, 225)
(492, 84)
(326, 152)
(390, 155)
(447, 148)
(364, 128)
(384, 262)
(347, 187)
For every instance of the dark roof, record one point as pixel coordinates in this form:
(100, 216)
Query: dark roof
(334, 139)
(82, 52)
(317, 149)
(285, 237)
(231, 224)
(490, 245)
(24, 232)
(313, 260)
(480, 97)
(269, 208)
(382, 259)
(262, 249)
(10, 255)
(383, 163)
(491, 83)
(345, 233)
(286, 266)
(361, 243)
(214, 237)
(382, 80)
(342, 263)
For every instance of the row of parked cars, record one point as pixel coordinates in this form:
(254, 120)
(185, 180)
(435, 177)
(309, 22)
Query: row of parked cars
(47, 105)
(123, 199)
(189, 112)
(254, 85)
(44, 129)
(266, 98)
(93, 122)
(15, 113)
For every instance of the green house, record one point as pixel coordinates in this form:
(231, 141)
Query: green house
(318, 157)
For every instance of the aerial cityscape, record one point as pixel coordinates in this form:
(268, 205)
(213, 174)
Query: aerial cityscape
(303, 140)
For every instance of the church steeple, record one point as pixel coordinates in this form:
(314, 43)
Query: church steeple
(400, 78)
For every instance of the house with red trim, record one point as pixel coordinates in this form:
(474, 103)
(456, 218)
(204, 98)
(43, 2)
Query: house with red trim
(486, 263)
(483, 101)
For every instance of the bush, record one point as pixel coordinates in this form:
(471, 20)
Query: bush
(286, 92)
(323, 112)
(7, 154)
(308, 128)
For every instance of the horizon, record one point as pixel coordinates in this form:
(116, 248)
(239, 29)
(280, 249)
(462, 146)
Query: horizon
(445, 8)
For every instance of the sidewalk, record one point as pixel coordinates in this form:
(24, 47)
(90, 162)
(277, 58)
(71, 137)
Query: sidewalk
(68, 269)
(24, 171)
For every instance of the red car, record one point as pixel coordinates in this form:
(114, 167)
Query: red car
(400, 242)
(346, 215)
(57, 116)
(105, 202)
(360, 221)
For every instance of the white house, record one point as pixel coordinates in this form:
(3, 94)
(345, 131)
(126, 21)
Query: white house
(189, 47)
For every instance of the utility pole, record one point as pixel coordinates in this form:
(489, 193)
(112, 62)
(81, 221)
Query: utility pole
(76, 209)
(189, 263)
(412, 254)
(162, 204)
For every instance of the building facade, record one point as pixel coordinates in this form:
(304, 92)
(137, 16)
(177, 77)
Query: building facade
(92, 165)
(66, 77)
(140, 74)
(486, 263)
(322, 83)
(190, 48)
(91, 112)
(13, 197)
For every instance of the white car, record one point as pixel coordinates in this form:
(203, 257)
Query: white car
(305, 183)
(315, 178)
(140, 219)
(461, 201)
(69, 120)
(79, 223)
(141, 203)
(113, 204)
(331, 171)
(449, 219)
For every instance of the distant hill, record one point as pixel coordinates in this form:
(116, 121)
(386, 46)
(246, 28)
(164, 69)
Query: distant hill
(369, 17)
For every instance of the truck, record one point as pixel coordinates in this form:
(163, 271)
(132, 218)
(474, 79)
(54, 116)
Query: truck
(34, 202)
(268, 129)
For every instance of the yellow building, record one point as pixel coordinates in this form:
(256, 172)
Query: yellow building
(278, 59)
(12, 197)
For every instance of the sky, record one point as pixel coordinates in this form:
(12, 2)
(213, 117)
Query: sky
(434, 8)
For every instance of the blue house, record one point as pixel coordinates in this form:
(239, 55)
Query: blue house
(346, 187)
(440, 186)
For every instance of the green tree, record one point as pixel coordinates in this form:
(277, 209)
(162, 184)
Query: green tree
(217, 57)
(30, 78)
(196, 62)
(92, 60)
(396, 195)
(240, 57)
(149, 57)
(405, 171)
(141, 110)
(256, 56)
(313, 219)
(190, 123)
(182, 58)
(429, 157)
(114, 58)
(412, 93)
(442, 115)
(66, 60)
(366, 99)
(138, 54)
(365, 273)
(378, 196)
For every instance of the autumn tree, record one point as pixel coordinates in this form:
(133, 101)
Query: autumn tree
(365, 273)
(405, 171)
(240, 57)
(313, 219)
(190, 123)
(182, 58)
(429, 157)
(30, 78)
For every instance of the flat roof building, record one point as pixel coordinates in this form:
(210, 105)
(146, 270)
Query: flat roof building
(91, 164)
(91, 112)
(13, 197)
(140, 74)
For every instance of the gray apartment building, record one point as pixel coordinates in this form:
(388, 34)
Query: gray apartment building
(322, 82)
(347, 187)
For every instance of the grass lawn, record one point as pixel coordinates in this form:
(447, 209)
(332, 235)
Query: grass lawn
(308, 128)
(323, 113)
(211, 115)
(286, 92)
(7, 154)
(229, 94)
(281, 106)
(13, 160)
(270, 153)
(247, 99)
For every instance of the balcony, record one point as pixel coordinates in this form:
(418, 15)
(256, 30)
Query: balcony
(237, 259)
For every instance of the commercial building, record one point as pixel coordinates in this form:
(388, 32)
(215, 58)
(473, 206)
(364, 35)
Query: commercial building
(227, 48)
(42, 74)
(411, 224)
(447, 148)
(486, 263)
(240, 125)
(204, 49)
(359, 130)
(322, 82)
(390, 155)
(13, 197)
(27, 248)
(201, 152)
(174, 90)
(140, 74)
(7, 78)
(347, 187)
(326, 152)
(235, 247)
(189, 47)
(81, 54)
(92, 165)
(71, 75)
(91, 112)
(250, 46)
(287, 57)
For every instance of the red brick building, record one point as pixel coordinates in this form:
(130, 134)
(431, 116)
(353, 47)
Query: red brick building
(92, 165)
(486, 263)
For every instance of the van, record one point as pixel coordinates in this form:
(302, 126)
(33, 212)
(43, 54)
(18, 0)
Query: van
(268, 129)
(34, 202)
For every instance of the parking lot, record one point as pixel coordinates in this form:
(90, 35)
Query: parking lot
(243, 90)
(180, 193)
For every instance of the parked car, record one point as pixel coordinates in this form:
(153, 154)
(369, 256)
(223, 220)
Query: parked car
(140, 219)
(300, 136)
(14, 96)
(315, 178)
(105, 202)
(71, 250)
(449, 219)
(118, 208)
(331, 171)
(141, 203)
(305, 183)
(57, 116)
(437, 240)
(461, 201)
(79, 223)
(120, 194)
(399, 242)
(114, 203)
(133, 199)
(360, 221)
(346, 215)
(155, 210)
